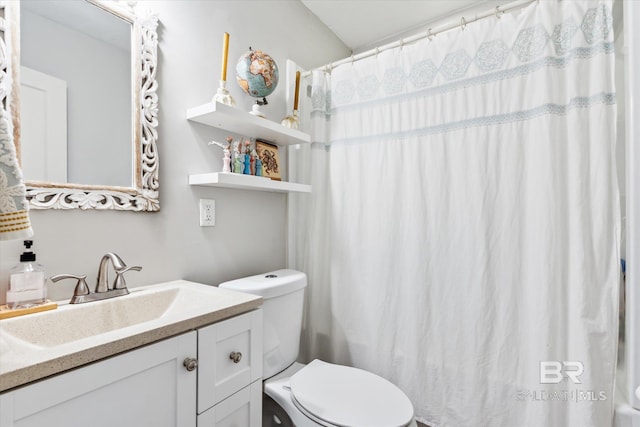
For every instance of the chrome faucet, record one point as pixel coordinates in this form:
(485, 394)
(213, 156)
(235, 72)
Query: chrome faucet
(102, 285)
(102, 291)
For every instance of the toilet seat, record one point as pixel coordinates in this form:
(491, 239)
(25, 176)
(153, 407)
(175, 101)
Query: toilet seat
(335, 395)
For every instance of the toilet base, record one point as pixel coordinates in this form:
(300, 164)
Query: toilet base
(276, 390)
(273, 415)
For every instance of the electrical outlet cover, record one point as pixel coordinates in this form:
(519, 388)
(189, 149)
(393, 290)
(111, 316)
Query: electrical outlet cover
(207, 213)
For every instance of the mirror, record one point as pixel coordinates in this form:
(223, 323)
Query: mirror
(58, 132)
(84, 103)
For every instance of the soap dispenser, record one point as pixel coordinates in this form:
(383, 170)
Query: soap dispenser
(27, 281)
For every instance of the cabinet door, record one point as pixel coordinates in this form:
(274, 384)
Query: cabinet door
(144, 387)
(242, 409)
(229, 357)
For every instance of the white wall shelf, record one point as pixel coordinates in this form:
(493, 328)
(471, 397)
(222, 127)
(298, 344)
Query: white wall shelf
(246, 182)
(241, 122)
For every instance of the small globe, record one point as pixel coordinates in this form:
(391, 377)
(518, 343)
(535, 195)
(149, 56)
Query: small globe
(257, 73)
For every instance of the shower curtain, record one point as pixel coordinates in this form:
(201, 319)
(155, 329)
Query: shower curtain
(461, 237)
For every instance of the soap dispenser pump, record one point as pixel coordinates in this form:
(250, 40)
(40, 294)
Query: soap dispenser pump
(27, 281)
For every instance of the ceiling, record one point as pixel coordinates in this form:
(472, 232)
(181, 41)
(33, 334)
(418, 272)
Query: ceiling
(84, 17)
(364, 24)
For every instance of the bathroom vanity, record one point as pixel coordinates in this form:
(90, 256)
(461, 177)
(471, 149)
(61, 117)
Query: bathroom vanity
(188, 355)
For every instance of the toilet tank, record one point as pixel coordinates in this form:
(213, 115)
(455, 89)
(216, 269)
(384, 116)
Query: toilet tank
(283, 294)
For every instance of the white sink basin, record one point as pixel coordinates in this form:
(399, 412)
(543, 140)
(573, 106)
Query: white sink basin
(41, 344)
(78, 321)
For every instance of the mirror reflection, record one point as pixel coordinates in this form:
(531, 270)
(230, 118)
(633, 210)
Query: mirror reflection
(76, 94)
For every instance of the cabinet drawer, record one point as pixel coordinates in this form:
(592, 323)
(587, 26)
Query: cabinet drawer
(244, 408)
(229, 358)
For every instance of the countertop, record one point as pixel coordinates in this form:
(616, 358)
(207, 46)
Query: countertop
(26, 360)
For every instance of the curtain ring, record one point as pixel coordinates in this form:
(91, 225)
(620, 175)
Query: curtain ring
(401, 44)
(463, 23)
(377, 51)
(498, 12)
(352, 59)
(430, 34)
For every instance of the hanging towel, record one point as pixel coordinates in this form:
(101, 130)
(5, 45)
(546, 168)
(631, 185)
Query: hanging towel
(14, 208)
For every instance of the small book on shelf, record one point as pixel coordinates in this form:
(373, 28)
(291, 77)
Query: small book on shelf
(268, 154)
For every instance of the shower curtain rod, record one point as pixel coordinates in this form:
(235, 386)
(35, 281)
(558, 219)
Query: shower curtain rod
(430, 33)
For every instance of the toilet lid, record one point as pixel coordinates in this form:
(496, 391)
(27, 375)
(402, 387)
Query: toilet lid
(345, 396)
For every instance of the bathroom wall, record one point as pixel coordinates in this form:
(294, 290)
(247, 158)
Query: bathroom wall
(249, 236)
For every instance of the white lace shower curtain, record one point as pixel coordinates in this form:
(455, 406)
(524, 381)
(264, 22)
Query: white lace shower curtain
(461, 239)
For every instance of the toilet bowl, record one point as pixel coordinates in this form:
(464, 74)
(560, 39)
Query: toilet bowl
(319, 393)
(324, 394)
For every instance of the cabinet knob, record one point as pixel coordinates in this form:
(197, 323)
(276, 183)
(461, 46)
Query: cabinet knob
(236, 356)
(190, 363)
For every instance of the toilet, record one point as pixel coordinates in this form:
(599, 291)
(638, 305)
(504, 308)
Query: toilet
(320, 393)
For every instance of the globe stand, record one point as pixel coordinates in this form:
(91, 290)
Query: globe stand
(255, 110)
(223, 96)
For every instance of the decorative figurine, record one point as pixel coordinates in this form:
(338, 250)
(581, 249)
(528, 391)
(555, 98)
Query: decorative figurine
(238, 164)
(227, 156)
(247, 158)
(226, 161)
(254, 153)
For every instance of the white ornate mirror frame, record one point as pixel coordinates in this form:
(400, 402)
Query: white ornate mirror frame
(143, 195)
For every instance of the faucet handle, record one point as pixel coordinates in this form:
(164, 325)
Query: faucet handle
(81, 286)
(119, 282)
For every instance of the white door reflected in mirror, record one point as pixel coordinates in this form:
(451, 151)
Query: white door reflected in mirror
(43, 115)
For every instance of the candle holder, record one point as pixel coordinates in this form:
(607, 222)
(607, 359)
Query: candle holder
(291, 122)
(223, 96)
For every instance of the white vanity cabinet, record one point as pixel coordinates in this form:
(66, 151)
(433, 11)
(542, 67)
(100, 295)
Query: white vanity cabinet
(230, 372)
(144, 387)
(151, 386)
